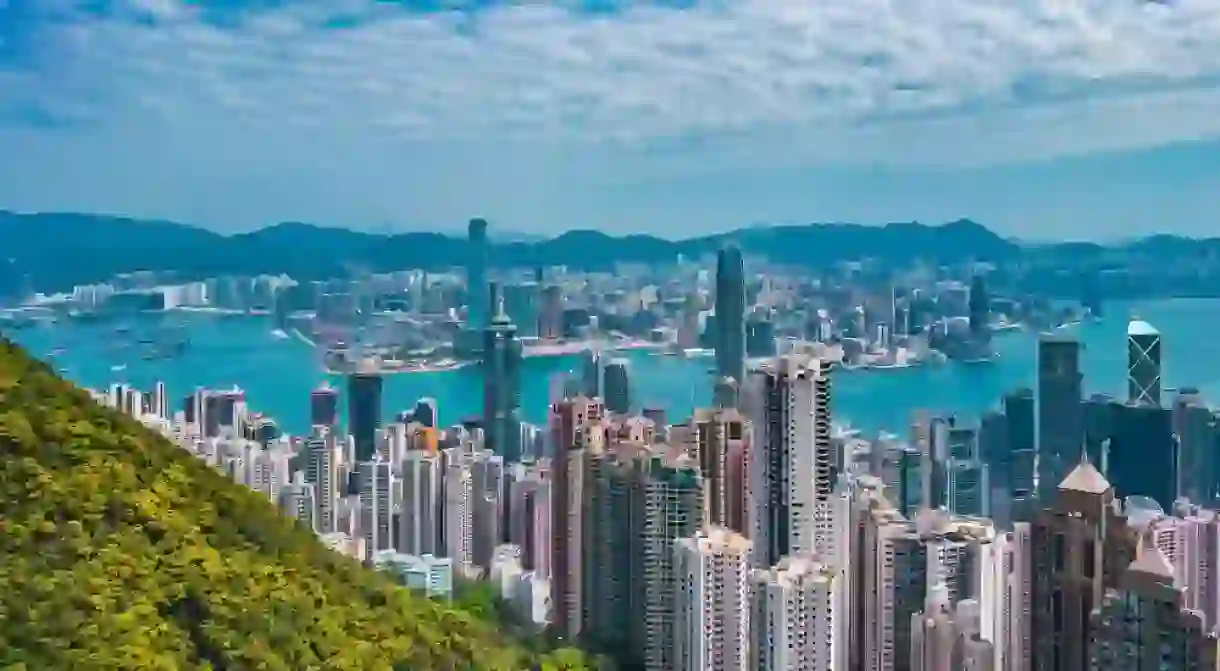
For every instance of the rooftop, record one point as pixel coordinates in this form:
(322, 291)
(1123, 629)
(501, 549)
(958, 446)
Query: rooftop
(1138, 327)
(1085, 478)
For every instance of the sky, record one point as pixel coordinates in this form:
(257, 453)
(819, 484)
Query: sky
(1044, 119)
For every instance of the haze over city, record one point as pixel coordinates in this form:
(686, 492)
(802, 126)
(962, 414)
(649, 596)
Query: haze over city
(1041, 119)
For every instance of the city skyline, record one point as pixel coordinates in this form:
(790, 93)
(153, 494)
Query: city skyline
(1085, 122)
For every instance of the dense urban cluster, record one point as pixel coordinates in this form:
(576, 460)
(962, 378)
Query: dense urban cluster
(1054, 532)
(1057, 532)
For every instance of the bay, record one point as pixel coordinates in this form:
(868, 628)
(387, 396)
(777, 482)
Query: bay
(278, 374)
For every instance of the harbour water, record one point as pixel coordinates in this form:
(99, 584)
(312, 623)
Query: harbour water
(278, 374)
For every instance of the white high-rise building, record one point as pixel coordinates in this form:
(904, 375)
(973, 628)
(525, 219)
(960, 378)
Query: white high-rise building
(1200, 565)
(459, 513)
(322, 471)
(790, 469)
(711, 613)
(793, 618)
(297, 501)
(375, 480)
(419, 521)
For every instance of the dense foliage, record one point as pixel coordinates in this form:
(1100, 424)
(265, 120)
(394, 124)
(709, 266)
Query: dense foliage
(118, 550)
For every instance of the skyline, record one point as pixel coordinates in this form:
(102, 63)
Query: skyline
(1082, 122)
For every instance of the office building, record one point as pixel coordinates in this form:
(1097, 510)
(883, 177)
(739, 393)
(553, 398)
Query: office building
(1060, 422)
(618, 386)
(730, 333)
(1142, 453)
(1143, 623)
(324, 406)
(364, 408)
(711, 609)
(1143, 364)
(1079, 545)
(502, 357)
(476, 276)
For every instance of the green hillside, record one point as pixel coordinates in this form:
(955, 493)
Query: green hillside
(118, 550)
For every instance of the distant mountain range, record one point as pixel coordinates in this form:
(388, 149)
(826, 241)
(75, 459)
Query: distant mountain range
(53, 252)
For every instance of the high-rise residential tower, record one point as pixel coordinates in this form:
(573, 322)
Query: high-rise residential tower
(476, 275)
(712, 617)
(1143, 364)
(364, 408)
(791, 467)
(730, 314)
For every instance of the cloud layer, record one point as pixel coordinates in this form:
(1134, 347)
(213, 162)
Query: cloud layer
(668, 85)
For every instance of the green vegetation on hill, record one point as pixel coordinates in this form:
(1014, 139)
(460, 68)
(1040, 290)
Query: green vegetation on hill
(118, 550)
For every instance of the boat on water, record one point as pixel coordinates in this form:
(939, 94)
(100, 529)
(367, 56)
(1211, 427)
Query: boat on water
(119, 367)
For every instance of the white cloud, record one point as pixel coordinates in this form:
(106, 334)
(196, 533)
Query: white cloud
(766, 82)
(802, 72)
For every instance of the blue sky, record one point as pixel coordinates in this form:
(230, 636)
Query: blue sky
(1080, 119)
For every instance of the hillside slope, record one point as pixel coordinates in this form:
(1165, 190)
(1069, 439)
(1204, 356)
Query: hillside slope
(119, 550)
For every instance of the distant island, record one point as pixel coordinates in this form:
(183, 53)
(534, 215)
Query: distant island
(54, 252)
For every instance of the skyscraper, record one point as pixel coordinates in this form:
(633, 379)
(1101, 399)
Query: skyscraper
(793, 616)
(364, 408)
(1143, 364)
(1079, 545)
(324, 406)
(1060, 416)
(1144, 623)
(476, 275)
(618, 386)
(502, 384)
(788, 404)
(712, 623)
(730, 314)
(980, 309)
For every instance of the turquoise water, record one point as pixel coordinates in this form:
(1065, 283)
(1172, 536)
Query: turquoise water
(279, 374)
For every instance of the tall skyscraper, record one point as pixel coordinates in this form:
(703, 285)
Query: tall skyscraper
(1060, 416)
(721, 442)
(476, 275)
(980, 309)
(1143, 623)
(1143, 364)
(1079, 545)
(712, 617)
(568, 427)
(322, 471)
(730, 314)
(375, 480)
(791, 466)
(502, 384)
(324, 406)
(794, 621)
(364, 408)
(420, 518)
(618, 386)
(1142, 455)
